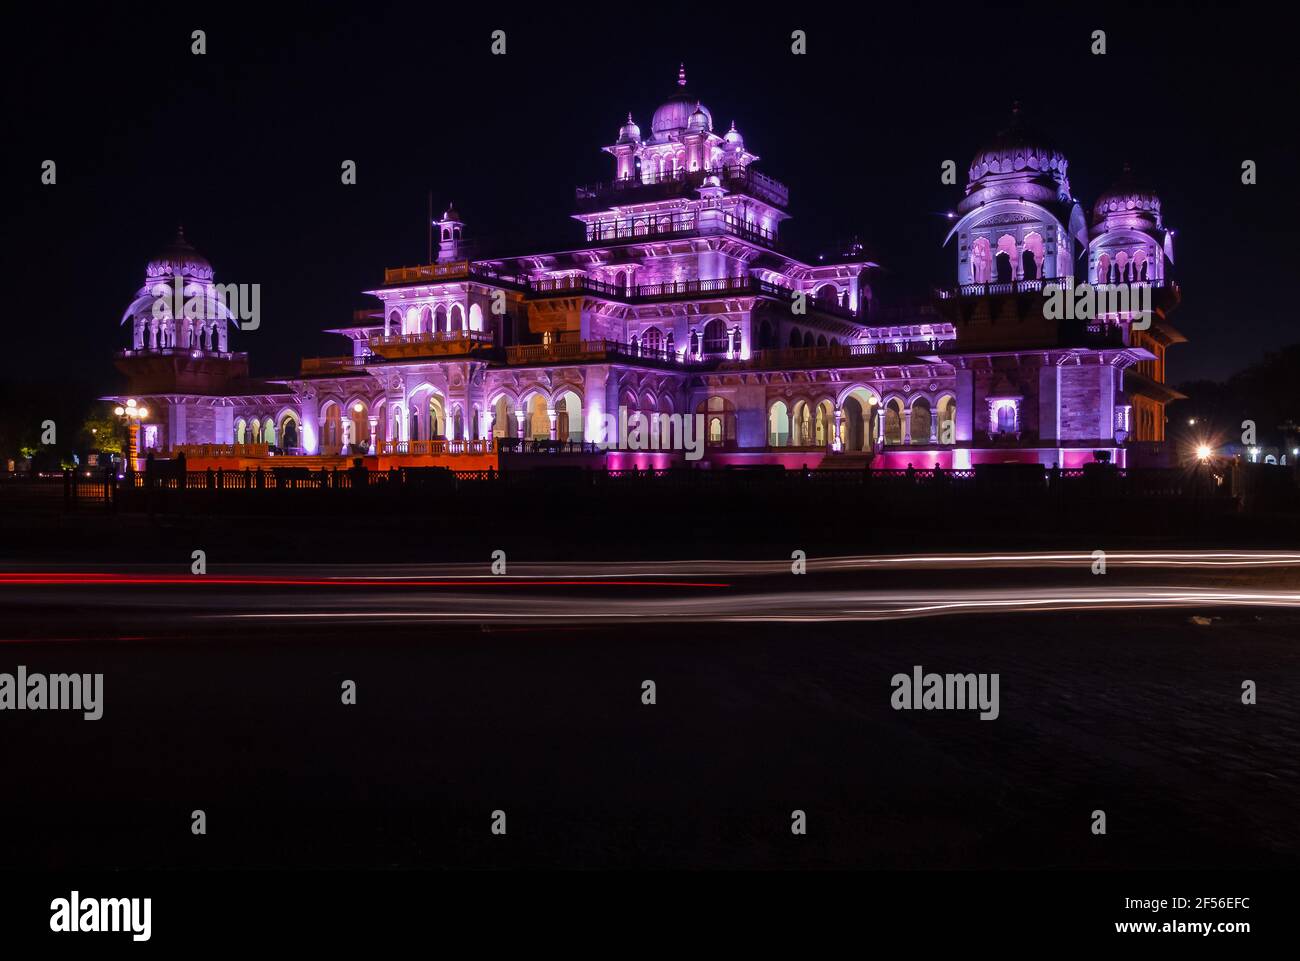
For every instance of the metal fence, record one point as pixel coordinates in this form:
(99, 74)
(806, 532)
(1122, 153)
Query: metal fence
(982, 489)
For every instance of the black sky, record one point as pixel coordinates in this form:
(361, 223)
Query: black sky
(244, 145)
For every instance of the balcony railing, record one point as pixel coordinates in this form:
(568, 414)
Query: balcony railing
(838, 354)
(195, 353)
(574, 350)
(648, 187)
(670, 226)
(672, 290)
(313, 365)
(435, 448)
(208, 451)
(457, 270)
(474, 337)
(1034, 286)
(678, 290)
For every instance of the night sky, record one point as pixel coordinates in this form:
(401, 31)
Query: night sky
(244, 146)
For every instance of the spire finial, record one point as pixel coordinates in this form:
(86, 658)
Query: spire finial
(1128, 169)
(681, 75)
(629, 116)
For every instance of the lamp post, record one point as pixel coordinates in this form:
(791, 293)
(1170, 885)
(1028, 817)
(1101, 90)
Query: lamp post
(131, 415)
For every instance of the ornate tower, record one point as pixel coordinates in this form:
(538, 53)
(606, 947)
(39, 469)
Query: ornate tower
(179, 359)
(1130, 246)
(178, 308)
(451, 241)
(1018, 221)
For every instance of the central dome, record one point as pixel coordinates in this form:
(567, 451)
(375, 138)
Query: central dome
(1017, 148)
(674, 115)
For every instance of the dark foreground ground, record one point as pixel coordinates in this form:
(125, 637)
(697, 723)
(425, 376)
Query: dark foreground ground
(1138, 715)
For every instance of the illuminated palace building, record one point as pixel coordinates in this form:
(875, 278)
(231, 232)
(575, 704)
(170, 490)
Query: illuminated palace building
(676, 297)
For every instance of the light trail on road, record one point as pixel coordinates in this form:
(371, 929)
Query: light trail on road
(849, 588)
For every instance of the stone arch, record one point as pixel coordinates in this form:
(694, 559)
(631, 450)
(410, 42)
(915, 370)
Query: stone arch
(289, 429)
(426, 413)
(537, 418)
(858, 422)
(981, 261)
(568, 416)
(1005, 259)
(947, 425)
(1103, 269)
(1032, 258)
(475, 317)
(331, 428)
(918, 415)
(719, 420)
(778, 423)
(505, 422)
(894, 409)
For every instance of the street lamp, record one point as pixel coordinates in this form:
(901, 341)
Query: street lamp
(131, 415)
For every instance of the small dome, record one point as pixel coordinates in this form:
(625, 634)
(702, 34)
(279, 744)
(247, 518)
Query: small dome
(629, 132)
(179, 257)
(1016, 148)
(674, 114)
(451, 214)
(733, 136)
(700, 121)
(1128, 194)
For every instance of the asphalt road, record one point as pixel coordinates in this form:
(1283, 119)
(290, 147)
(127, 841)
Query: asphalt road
(1119, 692)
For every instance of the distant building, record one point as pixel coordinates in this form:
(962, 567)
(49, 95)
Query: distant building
(678, 297)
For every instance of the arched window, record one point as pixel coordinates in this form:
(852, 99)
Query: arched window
(440, 319)
(981, 261)
(920, 421)
(894, 422)
(475, 317)
(1003, 262)
(426, 321)
(827, 295)
(1006, 259)
(715, 337)
(1032, 264)
(653, 340)
(539, 421)
(720, 421)
(947, 421)
(457, 319)
(778, 425)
